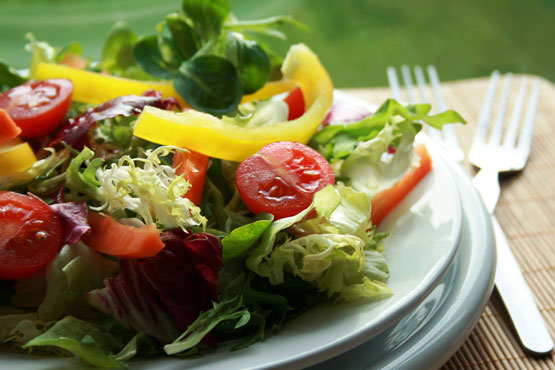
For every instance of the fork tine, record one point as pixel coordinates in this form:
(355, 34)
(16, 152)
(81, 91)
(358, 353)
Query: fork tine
(495, 138)
(510, 136)
(448, 131)
(483, 121)
(407, 79)
(421, 81)
(525, 140)
(433, 132)
(393, 83)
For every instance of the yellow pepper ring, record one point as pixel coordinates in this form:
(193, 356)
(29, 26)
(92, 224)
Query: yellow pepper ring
(96, 88)
(211, 136)
(16, 158)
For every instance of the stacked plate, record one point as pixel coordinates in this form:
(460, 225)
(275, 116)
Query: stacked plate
(441, 258)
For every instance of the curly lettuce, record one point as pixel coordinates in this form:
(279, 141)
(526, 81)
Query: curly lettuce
(338, 250)
(148, 188)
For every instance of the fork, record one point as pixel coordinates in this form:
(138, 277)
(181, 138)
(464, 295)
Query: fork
(495, 155)
(524, 313)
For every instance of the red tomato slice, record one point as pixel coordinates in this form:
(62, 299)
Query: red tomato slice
(295, 101)
(110, 237)
(38, 107)
(282, 178)
(30, 235)
(193, 167)
(386, 200)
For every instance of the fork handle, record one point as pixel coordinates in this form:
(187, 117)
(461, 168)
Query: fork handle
(487, 183)
(518, 298)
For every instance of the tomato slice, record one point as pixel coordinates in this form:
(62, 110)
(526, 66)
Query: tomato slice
(282, 178)
(295, 101)
(38, 107)
(192, 166)
(110, 237)
(386, 200)
(30, 235)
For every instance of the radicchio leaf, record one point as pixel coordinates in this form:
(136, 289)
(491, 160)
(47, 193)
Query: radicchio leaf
(73, 216)
(162, 295)
(75, 131)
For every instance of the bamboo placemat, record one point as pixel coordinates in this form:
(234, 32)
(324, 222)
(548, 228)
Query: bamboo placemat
(526, 211)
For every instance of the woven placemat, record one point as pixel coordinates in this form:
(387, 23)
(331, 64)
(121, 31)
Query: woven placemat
(526, 211)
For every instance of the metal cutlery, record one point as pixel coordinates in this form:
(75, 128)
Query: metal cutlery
(493, 157)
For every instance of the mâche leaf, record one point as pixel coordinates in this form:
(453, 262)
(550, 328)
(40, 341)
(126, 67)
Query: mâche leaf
(209, 83)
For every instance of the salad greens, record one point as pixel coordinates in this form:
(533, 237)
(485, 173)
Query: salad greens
(223, 273)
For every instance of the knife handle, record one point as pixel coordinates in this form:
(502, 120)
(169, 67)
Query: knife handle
(518, 298)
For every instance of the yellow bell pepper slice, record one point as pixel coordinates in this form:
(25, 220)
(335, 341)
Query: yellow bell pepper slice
(15, 157)
(211, 136)
(96, 88)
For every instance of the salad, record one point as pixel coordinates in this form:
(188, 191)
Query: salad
(190, 188)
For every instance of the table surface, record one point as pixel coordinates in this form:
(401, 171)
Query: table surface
(526, 211)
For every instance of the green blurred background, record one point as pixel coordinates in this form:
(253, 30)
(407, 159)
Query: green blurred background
(355, 39)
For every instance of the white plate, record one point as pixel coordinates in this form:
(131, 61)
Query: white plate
(430, 334)
(425, 230)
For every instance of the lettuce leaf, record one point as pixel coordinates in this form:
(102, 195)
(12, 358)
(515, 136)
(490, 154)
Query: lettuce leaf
(74, 271)
(242, 238)
(83, 339)
(162, 295)
(149, 188)
(374, 153)
(41, 178)
(229, 309)
(337, 251)
(73, 216)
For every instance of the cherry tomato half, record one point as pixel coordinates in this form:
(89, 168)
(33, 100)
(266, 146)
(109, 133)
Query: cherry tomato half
(295, 101)
(38, 107)
(192, 166)
(282, 178)
(30, 235)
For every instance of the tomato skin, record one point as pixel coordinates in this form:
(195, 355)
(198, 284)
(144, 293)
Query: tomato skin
(386, 200)
(295, 101)
(30, 235)
(38, 107)
(192, 166)
(282, 178)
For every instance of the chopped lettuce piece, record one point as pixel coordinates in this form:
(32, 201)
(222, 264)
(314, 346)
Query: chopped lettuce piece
(150, 189)
(337, 249)
(73, 216)
(74, 271)
(83, 339)
(230, 309)
(41, 176)
(242, 238)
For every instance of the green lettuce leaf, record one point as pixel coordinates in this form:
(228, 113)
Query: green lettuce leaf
(83, 339)
(242, 238)
(9, 77)
(229, 309)
(42, 178)
(339, 141)
(74, 271)
(83, 183)
(335, 250)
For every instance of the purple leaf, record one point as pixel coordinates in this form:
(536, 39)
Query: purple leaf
(75, 131)
(73, 216)
(344, 113)
(162, 295)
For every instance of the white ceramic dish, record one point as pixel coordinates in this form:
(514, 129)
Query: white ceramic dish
(429, 335)
(425, 231)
